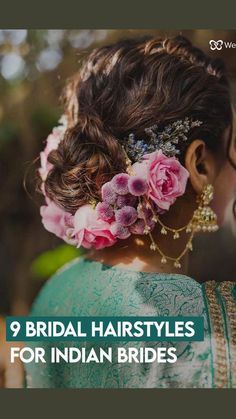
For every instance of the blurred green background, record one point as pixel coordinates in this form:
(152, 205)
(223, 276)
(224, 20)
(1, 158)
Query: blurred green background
(34, 65)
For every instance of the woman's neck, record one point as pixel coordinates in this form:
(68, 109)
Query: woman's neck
(135, 253)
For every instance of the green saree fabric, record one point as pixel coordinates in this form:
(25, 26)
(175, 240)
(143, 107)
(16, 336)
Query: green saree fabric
(88, 288)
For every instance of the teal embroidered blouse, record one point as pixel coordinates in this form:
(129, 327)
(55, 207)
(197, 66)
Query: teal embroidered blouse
(88, 288)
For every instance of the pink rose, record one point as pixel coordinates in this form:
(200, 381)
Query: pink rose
(90, 230)
(57, 221)
(165, 176)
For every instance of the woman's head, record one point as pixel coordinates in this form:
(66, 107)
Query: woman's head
(127, 87)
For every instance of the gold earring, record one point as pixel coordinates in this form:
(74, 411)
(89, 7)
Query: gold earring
(204, 219)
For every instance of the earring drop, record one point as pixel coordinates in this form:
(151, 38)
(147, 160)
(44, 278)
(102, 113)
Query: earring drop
(204, 219)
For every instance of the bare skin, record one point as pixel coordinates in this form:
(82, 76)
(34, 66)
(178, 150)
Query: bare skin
(135, 254)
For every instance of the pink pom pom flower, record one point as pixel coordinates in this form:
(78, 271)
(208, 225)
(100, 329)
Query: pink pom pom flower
(157, 180)
(126, 216)
(108, 193)
(137, 185)
(119, 231)
(105, 211)
(124, 200)
(120, 183)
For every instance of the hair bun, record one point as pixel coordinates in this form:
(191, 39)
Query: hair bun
(124, 88)
(86, 158)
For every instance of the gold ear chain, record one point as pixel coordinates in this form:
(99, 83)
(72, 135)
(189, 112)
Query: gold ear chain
(204, 219)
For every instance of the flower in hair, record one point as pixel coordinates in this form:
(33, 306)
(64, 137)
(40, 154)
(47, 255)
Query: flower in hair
(126, 216)
(166, 139)
(119, 231)
(105, 211)
(126, 200)
(137, 185)
(108, 193)
(165, 176)
(90, 230)
(52, 143)
(119, 183)
(130, 202)
(58, 221)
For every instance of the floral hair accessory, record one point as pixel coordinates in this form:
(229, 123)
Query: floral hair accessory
(90, 230)
(131, 202)
(166, 139)
(52, 143)
(164, 176)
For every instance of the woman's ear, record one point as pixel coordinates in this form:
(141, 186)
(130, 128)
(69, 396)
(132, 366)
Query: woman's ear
(200, 164)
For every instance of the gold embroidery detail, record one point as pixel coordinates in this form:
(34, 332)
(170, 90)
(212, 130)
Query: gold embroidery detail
(226, 288)
(218, 335)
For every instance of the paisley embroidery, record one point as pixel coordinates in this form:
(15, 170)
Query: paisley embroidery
(87, 288)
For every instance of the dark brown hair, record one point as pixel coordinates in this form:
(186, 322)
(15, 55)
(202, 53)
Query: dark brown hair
(126, 87)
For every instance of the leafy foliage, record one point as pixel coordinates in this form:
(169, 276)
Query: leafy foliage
(47, 263)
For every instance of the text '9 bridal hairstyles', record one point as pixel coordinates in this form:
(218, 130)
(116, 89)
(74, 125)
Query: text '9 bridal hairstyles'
(126, 87)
